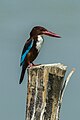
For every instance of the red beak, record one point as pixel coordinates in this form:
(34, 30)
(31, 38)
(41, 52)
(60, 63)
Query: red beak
(49, 33)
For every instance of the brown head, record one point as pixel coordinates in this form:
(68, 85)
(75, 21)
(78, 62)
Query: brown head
(38, 30)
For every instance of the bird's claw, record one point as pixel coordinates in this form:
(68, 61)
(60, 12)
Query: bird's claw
(32, 64)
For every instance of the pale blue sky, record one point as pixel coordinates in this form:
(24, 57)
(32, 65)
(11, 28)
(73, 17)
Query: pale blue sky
(17, 17)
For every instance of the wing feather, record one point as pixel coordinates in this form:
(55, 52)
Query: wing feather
(26, 49)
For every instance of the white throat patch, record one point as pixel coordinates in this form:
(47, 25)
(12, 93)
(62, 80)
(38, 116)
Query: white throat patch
(39, 42)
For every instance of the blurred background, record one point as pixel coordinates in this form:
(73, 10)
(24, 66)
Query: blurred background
(17, 17)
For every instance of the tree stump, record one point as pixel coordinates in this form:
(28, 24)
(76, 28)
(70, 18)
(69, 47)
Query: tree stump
(45, 91)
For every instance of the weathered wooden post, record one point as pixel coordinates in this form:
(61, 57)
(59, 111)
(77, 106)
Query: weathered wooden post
(46, 86)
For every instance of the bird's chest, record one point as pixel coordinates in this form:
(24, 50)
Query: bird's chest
(39, 42)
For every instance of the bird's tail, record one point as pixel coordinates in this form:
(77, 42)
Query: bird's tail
(22, 74)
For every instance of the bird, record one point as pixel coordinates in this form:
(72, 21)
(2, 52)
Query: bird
(32, 47)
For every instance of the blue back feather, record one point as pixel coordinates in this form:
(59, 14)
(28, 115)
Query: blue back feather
(26, 50)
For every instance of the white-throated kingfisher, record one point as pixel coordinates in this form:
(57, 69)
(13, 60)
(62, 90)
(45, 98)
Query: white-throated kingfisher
(32, 47)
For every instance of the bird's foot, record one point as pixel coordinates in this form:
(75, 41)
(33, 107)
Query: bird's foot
(32, 64)
(35, 64)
